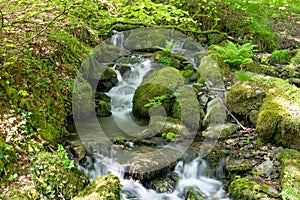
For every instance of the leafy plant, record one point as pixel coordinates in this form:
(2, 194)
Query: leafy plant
(169, 47)
(156, 100)
(165, 60)
(168, 136)
(233, 54)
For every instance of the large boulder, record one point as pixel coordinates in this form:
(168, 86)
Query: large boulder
(102, 188)
(210, 73)
(157, 89)
(271, 104)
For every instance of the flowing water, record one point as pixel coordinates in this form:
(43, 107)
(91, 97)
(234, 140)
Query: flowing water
(192, 176)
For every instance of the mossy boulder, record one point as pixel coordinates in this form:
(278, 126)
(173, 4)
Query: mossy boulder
(103, 109)
(271, 104)
(251, 188)
(161, 82)
(102, 188)
(215, 113)
(188, 109)
(244, 99)
(279, 119)
(210, 72)
(147, 38)
(107, 80)
(55, 176)
(82, 102)
(290, 173)
(220, 130)
(96, 62)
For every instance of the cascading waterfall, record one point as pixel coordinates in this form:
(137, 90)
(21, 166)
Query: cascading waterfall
(193, 176)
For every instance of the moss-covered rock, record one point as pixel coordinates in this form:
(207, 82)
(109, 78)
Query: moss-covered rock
(245, 100)
(220, 130)
(188, 109)
(107, 80)
(56, 176)
(290, 173)
(215, 113)
(102, 188)
(271, 104)
(103, 109)
(147, 38)
(162, 82)
(210, 72)
(95, 63)
(251, 188)
(280, 57)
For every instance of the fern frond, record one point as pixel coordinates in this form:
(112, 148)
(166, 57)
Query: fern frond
(290, 194)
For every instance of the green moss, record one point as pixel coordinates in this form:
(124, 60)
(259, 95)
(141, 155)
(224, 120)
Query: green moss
(159, 83)
(102, 188)
(250, 188)
(187, 108)
(290, 173)
(103, 109)
(280, 57)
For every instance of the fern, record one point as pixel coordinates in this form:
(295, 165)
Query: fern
(233, 54)
(290, 194)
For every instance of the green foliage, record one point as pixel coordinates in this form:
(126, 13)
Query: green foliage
(56, 176)
(165, 60)
(234, 54)
(156, 101)
(7, 159)
(63, 158)
(290, 194)
(281, 57)
(168, 136)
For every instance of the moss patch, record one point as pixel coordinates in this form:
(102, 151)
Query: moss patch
(290, 173)
(102, 188)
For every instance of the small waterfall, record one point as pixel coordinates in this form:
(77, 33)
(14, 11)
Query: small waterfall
(122, 94)
(191, 175)
(117, 39)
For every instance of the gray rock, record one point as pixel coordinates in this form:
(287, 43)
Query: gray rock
(220, 130)
(264, 169)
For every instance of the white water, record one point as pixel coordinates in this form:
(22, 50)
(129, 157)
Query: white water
(122, 94)
(191, 174)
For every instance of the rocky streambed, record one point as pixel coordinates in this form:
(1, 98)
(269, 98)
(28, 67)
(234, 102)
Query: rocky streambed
(167, 126)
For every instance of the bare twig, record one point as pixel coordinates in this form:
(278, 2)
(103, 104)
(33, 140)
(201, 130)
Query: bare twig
(237, 121)
(43, 29)
(2, 19)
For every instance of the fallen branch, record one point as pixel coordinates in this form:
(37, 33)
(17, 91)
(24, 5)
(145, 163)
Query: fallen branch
(43, 29)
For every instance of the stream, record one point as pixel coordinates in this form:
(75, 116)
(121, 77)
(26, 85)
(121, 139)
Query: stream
(193, 176)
